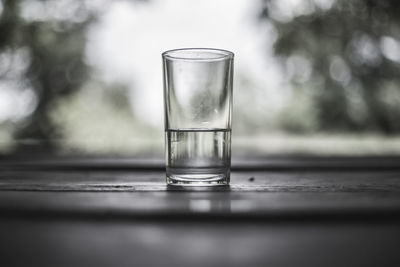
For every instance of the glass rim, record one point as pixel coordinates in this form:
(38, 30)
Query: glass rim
(193, 54)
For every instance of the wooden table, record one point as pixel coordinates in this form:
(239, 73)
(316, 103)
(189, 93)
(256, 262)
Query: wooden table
(281, 211)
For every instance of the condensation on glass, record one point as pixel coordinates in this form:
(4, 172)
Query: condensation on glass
(198, 114)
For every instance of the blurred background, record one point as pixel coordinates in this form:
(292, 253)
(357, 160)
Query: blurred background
(311, 76)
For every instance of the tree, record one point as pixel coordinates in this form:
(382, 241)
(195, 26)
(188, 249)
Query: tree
(346, 56)
(53, 34)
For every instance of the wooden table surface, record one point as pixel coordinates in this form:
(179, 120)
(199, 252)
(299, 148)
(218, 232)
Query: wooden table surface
(281, 211)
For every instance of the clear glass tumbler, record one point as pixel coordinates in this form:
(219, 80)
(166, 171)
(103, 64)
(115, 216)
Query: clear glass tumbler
(198, 114)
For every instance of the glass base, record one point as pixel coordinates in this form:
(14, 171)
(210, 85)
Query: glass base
(197, 179)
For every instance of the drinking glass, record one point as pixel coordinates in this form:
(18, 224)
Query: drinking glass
(198, 114)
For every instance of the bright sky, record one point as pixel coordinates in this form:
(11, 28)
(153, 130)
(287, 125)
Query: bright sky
(127, 43)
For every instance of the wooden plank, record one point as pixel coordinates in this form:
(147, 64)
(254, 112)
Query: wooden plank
(256, 181)
(201, 206)
(128, 243)
(251, 195)
(269, 195)
(251, 163)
